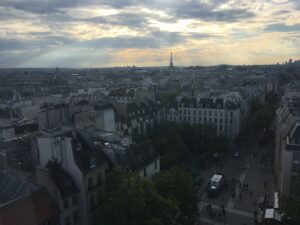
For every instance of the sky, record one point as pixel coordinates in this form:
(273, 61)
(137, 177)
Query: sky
(107, 33)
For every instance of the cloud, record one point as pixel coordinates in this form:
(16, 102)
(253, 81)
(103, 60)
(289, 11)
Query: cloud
(37, 6)
(208, 12)
(152, 40)
(44, 41)
(133, 20)
(54, 6)
(281, 27)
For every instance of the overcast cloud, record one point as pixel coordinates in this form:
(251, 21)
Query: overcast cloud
(100, 33)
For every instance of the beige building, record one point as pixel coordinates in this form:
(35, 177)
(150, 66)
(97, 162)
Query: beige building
(225, 112)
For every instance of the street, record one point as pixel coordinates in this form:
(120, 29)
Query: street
(247, 180)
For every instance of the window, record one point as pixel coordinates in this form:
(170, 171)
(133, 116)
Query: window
(92, 202)
(75, 217)
(90, 183)
(216, 113)
(231, 114)
(145, 172)
(92, 163)
(209, 113)
(184, 111)
(194, 119)
(216, 120)
(226, 121)
(98, 178)
(74, 200)
(200, 112)
(204, 113)
(67, 220)
(221, 120)
(221, 128)
(204, 120)
(221, 113)
(231, 121)
(99, 196)
(180, 118)
(180, 111)
(194, 112)
(66, 204)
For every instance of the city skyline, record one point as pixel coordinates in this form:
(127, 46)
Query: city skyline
(143, 33)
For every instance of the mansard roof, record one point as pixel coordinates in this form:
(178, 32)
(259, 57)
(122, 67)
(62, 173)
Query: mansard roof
(85, 152)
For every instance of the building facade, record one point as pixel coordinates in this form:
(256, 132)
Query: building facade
(287, 144)
(225, 112)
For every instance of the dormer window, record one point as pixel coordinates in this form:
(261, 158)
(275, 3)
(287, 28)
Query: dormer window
(92, 162)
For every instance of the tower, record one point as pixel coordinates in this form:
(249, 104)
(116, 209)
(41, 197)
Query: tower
(171, 61)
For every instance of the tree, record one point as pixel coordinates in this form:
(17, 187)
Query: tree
(262, 115)
(178, 186)
(131, 200)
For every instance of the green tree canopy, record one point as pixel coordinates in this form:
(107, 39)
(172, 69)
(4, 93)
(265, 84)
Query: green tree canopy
(169, 198)
(178, 186)
(131, 200)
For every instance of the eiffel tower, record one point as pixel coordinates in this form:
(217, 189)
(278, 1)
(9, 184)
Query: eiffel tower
(171, 62)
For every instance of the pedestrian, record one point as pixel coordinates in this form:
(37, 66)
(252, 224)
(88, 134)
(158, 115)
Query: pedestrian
(224, 212)
(211, 215)
(251, 194)
(255, 213)
(207, 208)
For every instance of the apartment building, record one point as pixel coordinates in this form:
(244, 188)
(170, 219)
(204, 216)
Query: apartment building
(287, 145)
(226, 112)
(87, 165)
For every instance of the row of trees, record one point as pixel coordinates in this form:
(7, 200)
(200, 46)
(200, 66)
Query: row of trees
(169, 198)
(263, 114)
